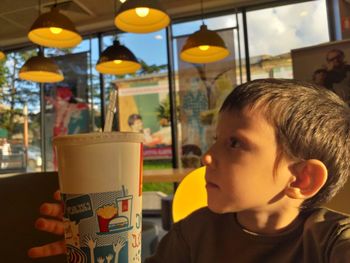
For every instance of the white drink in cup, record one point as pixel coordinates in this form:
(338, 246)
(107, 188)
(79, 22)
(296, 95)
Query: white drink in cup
(100, 178)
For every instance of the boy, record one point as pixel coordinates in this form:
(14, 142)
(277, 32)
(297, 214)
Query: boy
(282, 148)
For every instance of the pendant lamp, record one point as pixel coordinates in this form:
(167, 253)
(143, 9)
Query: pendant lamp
(141, 16)
(2, 55)
(204, 46)
(41, 69)
(118, 60)
(53, 29)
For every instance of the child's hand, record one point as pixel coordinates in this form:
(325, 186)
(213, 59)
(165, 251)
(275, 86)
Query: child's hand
(55, 226)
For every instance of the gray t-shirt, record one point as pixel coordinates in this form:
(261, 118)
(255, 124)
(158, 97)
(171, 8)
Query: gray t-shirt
(320, 235)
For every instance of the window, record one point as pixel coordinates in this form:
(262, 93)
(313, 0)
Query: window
(273, 32)
(20, 135)
(201, 88)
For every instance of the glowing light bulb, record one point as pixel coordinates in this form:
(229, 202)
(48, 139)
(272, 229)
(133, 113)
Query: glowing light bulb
(142, 11)
(204, 47)
(117, 61)
(55, 30)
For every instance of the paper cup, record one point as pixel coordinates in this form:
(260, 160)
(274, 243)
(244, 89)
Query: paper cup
(100, 177)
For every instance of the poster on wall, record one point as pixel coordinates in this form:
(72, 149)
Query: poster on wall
(327, 65)
(66, 102)
(202, 89)
(344, 11)
(144, 107)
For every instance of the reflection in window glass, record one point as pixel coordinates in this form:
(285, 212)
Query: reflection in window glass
(215, 23)
(20, 137)
(71, 106)
(143, 97)
(201, 88)
(273, 32)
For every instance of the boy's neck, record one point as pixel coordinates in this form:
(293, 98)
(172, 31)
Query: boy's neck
(267, 222)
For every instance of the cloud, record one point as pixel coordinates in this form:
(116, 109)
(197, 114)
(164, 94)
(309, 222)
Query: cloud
(277, 30)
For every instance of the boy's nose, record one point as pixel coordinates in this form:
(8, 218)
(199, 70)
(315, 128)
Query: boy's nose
(207, 159)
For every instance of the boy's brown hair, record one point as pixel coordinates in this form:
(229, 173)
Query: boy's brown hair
(310, 122)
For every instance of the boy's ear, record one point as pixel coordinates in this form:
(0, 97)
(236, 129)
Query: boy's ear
(309, 177)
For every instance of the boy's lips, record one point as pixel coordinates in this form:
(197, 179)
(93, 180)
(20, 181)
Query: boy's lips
(210, 185)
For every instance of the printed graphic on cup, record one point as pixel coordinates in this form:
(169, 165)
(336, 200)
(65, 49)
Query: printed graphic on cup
(102, 207)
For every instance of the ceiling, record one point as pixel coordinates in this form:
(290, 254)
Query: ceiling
(89, 16)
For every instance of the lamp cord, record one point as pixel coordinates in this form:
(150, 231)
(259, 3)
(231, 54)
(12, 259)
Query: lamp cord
(202, 13)
(39, 9)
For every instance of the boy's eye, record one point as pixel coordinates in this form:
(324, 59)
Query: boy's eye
(234, 143)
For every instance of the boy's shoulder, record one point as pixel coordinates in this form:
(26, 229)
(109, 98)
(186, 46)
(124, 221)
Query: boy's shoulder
(328, 232)
(324, 220)
(322, 215)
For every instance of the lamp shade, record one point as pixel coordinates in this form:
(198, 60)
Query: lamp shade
(117, 59)
(2, 55)
(41, 69)
(204, 46)
(141, 16)
(53, 29)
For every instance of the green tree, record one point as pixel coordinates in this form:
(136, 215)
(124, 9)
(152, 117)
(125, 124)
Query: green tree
(14, 92)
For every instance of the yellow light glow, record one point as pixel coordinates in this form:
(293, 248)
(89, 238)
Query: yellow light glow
(56, 30)
(122, 1)
(117, 61)
(142, 11)
(204, 47)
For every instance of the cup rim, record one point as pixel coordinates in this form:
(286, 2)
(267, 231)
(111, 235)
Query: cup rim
(98, 137)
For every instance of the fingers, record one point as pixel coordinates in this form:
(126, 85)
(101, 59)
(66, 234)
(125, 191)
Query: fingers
(57, 195)
(47, 250)
(50, 225)
(52, 209)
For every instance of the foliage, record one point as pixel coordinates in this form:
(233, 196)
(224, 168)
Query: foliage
(163, 111)
(14, 92)
(150, 69)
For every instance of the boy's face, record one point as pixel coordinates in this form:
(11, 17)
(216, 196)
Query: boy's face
(240, 165)
(137, 126)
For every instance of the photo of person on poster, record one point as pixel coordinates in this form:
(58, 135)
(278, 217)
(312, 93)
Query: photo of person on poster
(325, 65)
(136, 124)
(195, 102)
(70, 114)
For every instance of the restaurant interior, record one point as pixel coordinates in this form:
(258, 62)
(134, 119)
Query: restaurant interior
(161, 68)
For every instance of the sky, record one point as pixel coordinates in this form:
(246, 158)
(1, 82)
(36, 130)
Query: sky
(278, 30)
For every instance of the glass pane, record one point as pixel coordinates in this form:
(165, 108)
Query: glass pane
(202, 87)
(215, 23)
(71, 106)
(273, 32)
(20, 137)
(143, 97)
